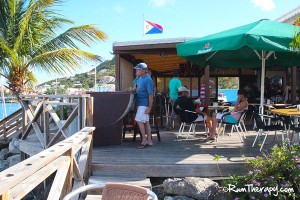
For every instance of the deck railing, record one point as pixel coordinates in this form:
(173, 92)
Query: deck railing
(69, 160)
(11, 125)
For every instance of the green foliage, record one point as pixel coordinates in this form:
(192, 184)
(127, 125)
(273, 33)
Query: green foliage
(55, 90)
(296, 42)
(228, 82)
(88, 80)
(217, 158)
(28, 42)
(278, 171)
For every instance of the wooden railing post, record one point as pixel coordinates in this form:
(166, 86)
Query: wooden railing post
(4, 131)
(89, 111)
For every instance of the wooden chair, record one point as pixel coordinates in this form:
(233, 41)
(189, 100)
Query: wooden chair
(129, 124)
(114, 191)
(153, 123)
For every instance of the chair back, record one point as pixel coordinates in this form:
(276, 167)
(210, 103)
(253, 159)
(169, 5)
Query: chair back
(258, 121)
(242, 115)
(186, 117)
(251, 109)
(231, 123)
(113, 191)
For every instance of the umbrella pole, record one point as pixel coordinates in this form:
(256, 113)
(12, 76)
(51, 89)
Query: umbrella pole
(263, 74)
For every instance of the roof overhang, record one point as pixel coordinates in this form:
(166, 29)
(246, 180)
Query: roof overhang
(160, 55)
(290, 17)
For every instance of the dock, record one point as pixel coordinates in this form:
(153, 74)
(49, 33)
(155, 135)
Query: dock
(174, 157)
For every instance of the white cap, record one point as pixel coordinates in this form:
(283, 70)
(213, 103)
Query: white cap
(183, 89)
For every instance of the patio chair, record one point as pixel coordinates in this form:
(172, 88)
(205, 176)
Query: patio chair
(153, 124)
(115, 191)
(265, 128)
(189, 118)
(238, 126)
(241, 125)
(294, 129)
(252, 109)
(129, 124)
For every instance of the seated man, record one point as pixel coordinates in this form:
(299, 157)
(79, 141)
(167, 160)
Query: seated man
(240, 105)
(185, 103)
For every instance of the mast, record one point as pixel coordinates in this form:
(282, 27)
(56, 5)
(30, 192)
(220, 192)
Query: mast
(4, 114)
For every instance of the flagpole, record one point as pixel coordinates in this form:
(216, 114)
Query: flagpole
(143, 27)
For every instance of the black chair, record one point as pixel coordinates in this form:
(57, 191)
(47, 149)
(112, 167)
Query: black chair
(252, 109)
(189, 118)
(294, 129)
(262, 128)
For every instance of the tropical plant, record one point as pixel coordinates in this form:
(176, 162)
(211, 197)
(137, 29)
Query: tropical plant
(274, 176)
(296, 41)
(29, 42)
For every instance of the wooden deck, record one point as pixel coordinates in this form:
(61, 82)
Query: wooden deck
(176, 157)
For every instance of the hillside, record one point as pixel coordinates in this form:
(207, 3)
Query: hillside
(87, 79)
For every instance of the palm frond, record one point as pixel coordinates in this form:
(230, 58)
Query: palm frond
(86, 34)
(38, 17)
(62, 61)
(5, 50)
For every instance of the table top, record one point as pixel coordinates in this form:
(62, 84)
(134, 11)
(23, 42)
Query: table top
(271, 104)
(286, 111)
(218, 107)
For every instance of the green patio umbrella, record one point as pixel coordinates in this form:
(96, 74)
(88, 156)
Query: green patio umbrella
(264, 43)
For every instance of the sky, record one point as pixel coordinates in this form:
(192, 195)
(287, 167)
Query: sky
(122, 20)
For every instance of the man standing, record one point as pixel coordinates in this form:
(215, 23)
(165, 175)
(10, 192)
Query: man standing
(174, 85)
(144, 93)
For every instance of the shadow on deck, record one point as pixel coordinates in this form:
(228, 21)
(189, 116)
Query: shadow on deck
(178, 157)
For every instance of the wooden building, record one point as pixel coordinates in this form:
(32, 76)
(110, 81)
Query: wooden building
(161, 57)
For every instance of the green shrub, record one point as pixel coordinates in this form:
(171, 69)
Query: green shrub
(273, 176)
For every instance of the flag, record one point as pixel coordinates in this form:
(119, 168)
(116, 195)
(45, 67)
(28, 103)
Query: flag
(152, 28)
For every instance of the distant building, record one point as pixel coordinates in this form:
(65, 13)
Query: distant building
(55, 83)
(290, 17)
(107, 79)
(75, 91)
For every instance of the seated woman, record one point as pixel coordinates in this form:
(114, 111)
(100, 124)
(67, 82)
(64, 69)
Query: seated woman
(240, 105)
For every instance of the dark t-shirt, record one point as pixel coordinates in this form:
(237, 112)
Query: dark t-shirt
(185, 103)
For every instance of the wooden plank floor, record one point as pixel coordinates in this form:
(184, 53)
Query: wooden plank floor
(177, 157)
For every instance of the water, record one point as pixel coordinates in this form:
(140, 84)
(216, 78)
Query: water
(10, 108)
(231, 94)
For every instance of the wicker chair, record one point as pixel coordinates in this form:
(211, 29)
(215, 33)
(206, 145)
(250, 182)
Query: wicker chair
(114, 191)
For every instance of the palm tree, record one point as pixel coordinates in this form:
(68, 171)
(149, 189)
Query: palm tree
(28, 42)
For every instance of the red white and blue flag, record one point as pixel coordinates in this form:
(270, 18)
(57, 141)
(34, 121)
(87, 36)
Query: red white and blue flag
(152, 28)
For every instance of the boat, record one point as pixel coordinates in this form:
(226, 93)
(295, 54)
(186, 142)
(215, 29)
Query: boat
(222, 97)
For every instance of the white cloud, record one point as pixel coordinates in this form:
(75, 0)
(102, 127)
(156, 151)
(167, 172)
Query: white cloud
(118, 8)
(161, 3)
(264, 5)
